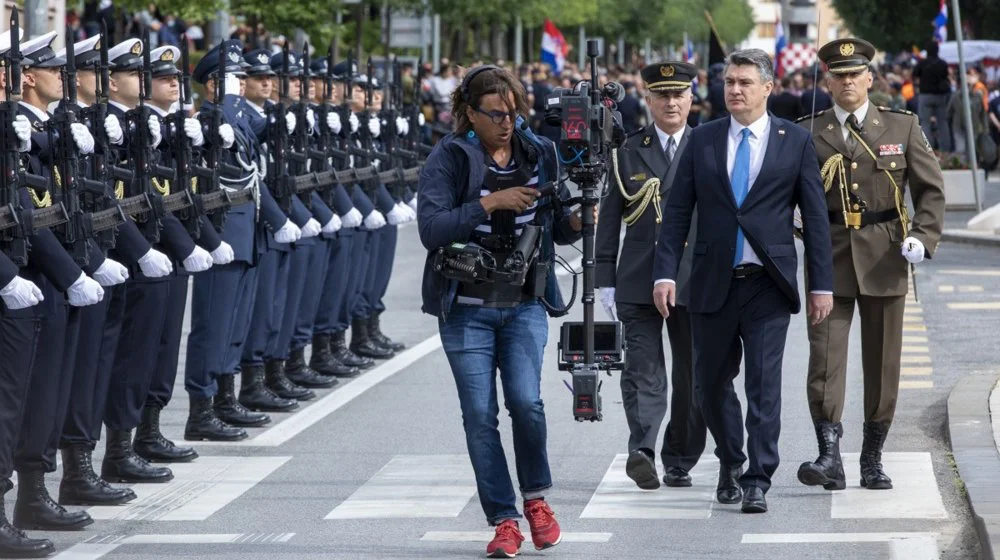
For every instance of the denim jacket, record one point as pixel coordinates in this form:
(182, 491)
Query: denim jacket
(449, 210)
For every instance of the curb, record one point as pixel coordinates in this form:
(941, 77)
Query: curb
(970, 432)
(970, 238)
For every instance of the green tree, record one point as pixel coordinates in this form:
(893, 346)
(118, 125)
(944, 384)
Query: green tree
(186, 10)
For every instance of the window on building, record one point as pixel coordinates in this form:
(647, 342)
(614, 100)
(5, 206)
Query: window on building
(798, 31)
(765, 30)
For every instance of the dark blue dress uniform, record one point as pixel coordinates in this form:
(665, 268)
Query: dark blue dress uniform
(222, 297)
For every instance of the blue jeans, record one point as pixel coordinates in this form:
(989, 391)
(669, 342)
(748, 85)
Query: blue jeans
(478, 341)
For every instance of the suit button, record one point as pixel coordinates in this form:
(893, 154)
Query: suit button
(892, 165)
(856, 207)
(854, 187)
(854, 165)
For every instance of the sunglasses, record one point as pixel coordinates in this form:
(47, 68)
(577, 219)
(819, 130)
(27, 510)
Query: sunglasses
(497, 117)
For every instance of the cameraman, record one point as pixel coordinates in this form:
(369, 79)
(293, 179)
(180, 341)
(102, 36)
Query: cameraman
(485, 327)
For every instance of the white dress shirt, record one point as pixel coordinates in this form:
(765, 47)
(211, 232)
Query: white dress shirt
(664, 137)
(760, 131)
(842, 115)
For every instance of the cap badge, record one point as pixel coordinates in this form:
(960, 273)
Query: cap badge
(136, 48)
(847, 49)
(234, 57)
(97, 45)
(667, 71)
(167, 56)
(263, 58)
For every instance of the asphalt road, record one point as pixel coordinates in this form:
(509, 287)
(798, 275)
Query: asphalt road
(377, 467)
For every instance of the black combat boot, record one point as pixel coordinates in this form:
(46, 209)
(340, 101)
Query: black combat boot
(828, 469)
(301, 374)
(274, 376)
(150, 444)
(255, 395)
(362, 345)
(375, 334)
(203, 424)
(338, 346)
(81, 486)
(35, 509)
(872, 475)
(121, 464)
(13, 542)
(323, 360)
(229, 409)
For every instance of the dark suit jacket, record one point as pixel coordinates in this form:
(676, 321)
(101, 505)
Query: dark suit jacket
(788, 177)
(632, 274)
(785, 105)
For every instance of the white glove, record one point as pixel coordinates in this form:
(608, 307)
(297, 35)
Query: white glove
(311, 119)
(228, 135)
(289, 233)
(913, 250)
(397, 216)
(374, 220)
(20, 293)
(374, 126)
(290, 122)
(85, 291)
(410, 211)
(22, 128)
(111, 273)
(333, 122)
(83, 139)
(413, 205)
(353, 120)
(192, 128)
(607, 297)
(155, 264)
(155, 135)
(113, 128)
(311, 228)
(352, 219)
(198, 261)
(232, 84)
(333, 226)
(402, 126)
(223, 254)
(376, 163)
(421, 120)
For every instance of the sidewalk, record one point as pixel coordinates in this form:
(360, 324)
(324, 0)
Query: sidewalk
(973, 434)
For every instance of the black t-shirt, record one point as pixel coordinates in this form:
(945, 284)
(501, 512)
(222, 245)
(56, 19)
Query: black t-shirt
(933, 75)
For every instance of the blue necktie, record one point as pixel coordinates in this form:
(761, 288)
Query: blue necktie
(741, 185)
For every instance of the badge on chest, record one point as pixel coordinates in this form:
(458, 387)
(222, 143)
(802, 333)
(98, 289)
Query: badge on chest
(890, 150)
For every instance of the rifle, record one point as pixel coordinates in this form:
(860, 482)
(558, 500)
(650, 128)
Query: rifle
(367, 151)
(278, 141)
(300, 141)
(182, 153)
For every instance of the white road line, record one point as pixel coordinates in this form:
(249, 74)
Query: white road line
(964, 272)
(413, 486)
(483, 536)
(100, 546)
(915, 493)
(617, 497)
(916, 384)
(197, 491)
(981, 306)
(300, 421)
(902, 546)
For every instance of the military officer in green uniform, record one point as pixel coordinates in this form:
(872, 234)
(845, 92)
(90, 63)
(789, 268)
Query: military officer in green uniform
(869, 156)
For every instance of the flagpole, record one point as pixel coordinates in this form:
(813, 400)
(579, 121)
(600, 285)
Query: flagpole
(969, 136)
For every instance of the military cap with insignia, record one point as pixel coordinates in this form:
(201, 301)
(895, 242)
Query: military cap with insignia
(126, 56)
(294, 62)
(259, 63)
(669, 76)
(163, 61)
(846, 56)
(341, 70)
(38, 52)
(319, 66)
(87, 52)
(209, 63)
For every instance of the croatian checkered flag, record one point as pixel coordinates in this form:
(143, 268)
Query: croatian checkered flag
(941, 23)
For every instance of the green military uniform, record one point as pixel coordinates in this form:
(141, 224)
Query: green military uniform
(866, 177)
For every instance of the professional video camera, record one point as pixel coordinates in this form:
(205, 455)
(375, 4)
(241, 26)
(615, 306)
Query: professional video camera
(591, 129)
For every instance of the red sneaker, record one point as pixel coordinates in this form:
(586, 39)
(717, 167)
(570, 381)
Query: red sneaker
(507, 541)
(545, 532)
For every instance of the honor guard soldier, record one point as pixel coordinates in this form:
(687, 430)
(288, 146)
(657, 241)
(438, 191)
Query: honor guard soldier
(641, 177)
(868, 155)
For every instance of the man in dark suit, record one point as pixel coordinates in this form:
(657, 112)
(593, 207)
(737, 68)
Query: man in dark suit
(746, 174)
(783, 103)
(642, 176)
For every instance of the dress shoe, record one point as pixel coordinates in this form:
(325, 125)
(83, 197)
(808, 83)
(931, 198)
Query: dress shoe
(203, 424)
(301, 374)
(228, 408)
(35, 509)
(151, 445)
(80, 485)
(728, 491)
(872, 475)
(642, 470)
(676, 477)
(279, 384)
(13, 542)
(121, 464)
(828, 469)
(255, 395)
(753, 501)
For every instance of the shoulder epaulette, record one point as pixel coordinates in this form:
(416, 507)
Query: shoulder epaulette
(812, 116)
(897, 111)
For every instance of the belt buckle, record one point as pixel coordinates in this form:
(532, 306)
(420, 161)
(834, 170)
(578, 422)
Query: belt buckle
(854, 219)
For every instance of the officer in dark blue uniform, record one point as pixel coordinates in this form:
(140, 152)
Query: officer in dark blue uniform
(56, 274)
(222, 298)
(270, 391)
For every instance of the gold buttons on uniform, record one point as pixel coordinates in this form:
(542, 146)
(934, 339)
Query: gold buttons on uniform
(854, 187)
(854, 165)
(892, 165)
(857, 227)
(856, 207)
